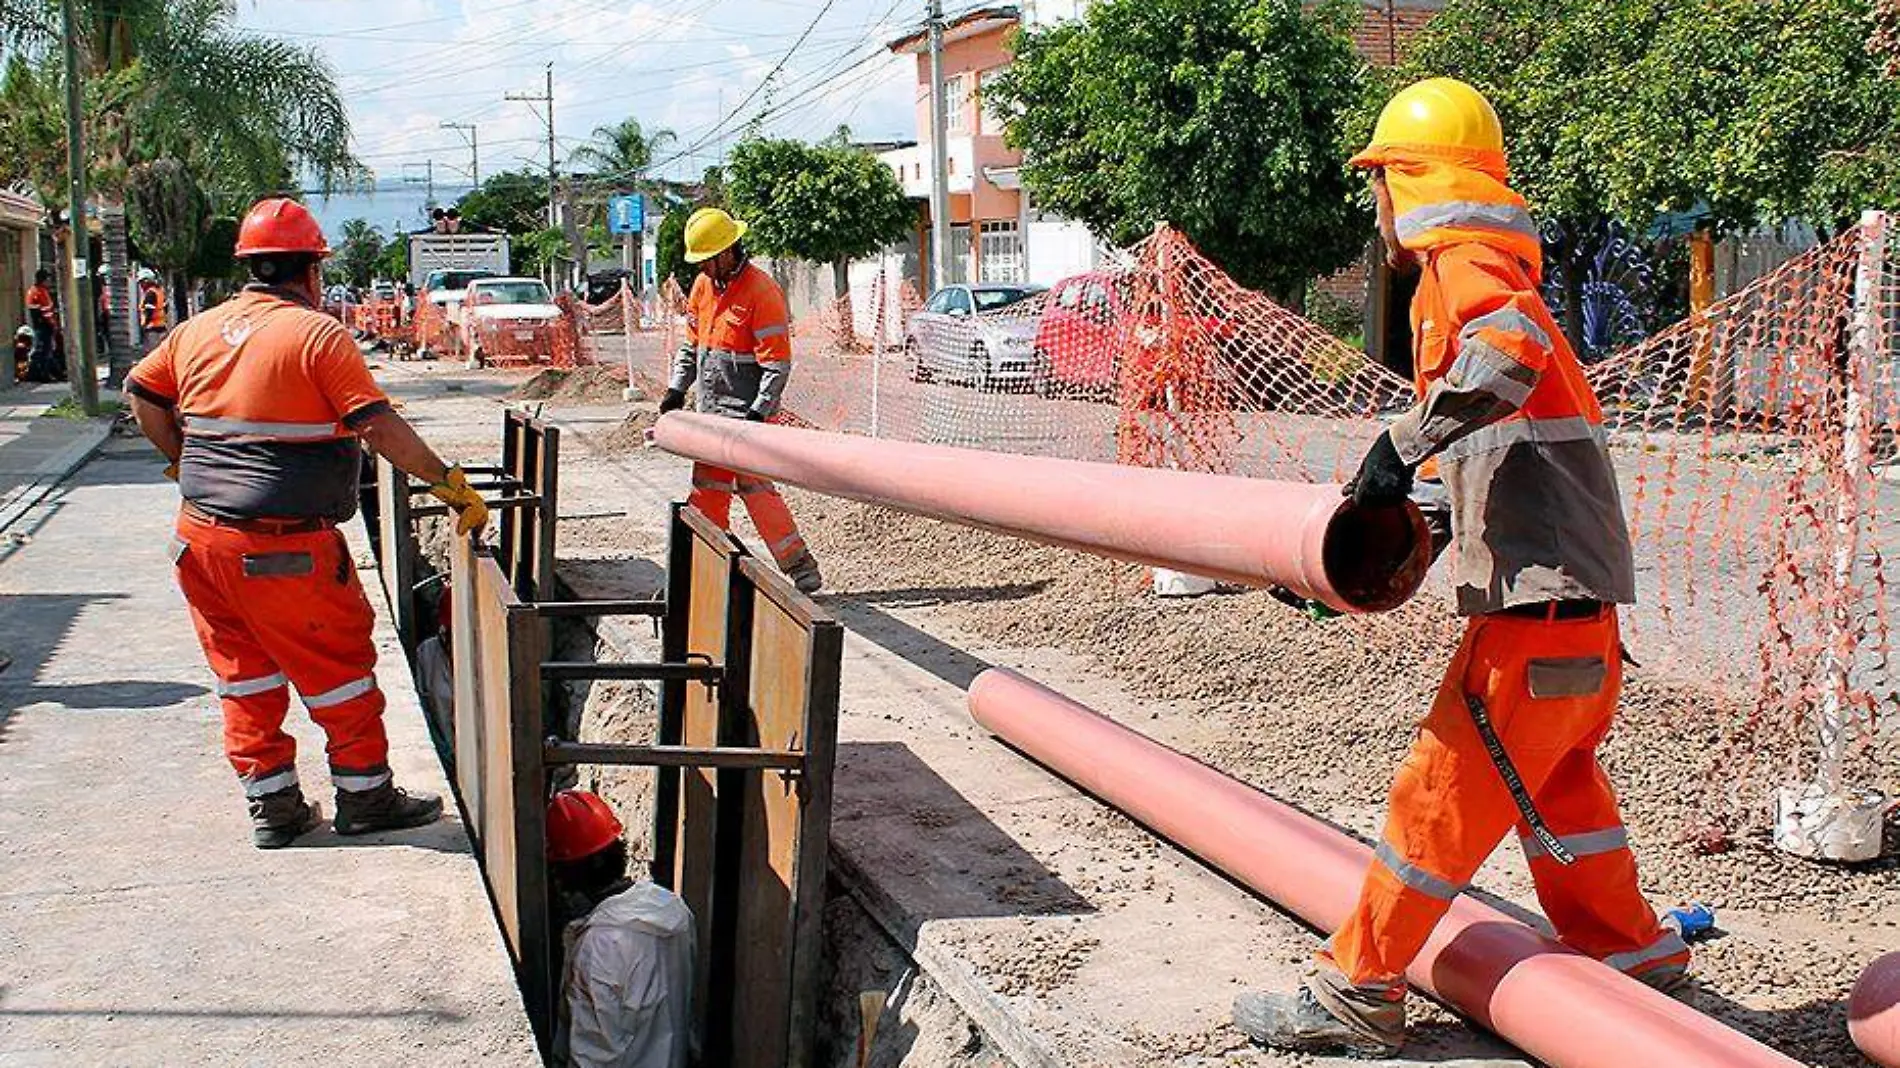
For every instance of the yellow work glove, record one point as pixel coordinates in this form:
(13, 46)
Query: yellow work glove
(471, 511)
(171, 470)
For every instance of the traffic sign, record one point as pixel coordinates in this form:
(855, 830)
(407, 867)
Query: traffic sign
(627, 214)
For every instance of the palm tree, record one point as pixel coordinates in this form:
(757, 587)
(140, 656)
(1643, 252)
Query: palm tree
(619, 154)
(177, 78)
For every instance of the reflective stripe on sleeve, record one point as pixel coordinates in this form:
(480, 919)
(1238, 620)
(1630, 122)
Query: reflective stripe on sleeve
(282, 779)
(1589, 843)
(349, 690)
(1482, 367)
(1468, 214)
(728, 354)
(1510, 321)
(251, 687)
(1519, 431)
(1667, 945)
(1415, 877)
(199, 424)
(762, 332)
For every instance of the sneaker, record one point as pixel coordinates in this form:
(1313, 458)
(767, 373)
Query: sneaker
(281, 818)
(386, 808)
(1370, 1026)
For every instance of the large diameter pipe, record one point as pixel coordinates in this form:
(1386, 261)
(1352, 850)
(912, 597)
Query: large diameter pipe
(1558, 1006)
(1250, 531)
(1873, 1012)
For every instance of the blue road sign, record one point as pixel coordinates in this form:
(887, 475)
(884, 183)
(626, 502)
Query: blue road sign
(627, 215)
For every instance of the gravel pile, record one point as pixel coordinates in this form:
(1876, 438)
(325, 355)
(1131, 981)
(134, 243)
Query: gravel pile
(596, 384)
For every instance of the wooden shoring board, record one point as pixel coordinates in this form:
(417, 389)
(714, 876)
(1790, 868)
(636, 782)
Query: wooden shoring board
(499, 647)
(791, 703)
(396, 538)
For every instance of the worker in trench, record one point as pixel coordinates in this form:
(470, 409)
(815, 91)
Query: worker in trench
(738, 348)
(627, 981)
(1543, 560)
(259, 405)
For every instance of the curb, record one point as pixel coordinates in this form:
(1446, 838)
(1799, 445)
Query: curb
(53, 471)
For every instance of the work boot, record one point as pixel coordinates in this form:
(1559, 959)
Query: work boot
(384, 808)
(803, 571)
(1364, 1024)
(278, 819)
(1670, 979)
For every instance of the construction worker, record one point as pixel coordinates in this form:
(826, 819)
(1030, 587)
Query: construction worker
(738, 349)
(626, 990)
(1543, 561)
(259, 405)
(151, 307)
(42, 314)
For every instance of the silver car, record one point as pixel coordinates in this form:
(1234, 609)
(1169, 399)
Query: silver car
(981, 335)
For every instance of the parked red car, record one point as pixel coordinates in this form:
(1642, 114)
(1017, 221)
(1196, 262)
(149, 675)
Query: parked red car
(1088, 327)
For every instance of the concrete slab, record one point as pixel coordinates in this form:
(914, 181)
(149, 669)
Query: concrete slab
(137, 923)
(37, 451)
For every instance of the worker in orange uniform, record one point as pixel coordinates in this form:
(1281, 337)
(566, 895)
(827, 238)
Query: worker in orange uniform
(42, 314)
(259, 405)
(1543, 559)
(151, 307)
(737, 347)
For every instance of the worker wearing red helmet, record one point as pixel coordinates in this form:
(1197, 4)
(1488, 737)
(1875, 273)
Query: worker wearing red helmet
(626, 990)
(259, 405)
(1543, 560)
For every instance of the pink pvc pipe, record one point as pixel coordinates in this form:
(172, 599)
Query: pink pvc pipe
(1250, 531)
(1560, 1007)
(1873, 1011)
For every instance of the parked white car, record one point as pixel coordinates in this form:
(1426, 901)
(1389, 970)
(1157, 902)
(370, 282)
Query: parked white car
(980, 335)
(507, 317)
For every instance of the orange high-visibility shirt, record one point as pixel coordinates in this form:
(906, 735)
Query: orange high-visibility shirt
(40, 299)
(738, 345)
(268, 391)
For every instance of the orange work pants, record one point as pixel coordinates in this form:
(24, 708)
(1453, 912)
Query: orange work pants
(274, 611)
(713, 488)
(1550, 688)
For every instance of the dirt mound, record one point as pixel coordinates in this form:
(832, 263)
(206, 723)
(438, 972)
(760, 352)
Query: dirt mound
(630, 435)
(598, 384)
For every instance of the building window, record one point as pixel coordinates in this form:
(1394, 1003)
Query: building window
(992, 119)
(953, 103)
(960, 253)
(1000, 252)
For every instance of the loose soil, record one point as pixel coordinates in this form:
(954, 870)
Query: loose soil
(594, 384)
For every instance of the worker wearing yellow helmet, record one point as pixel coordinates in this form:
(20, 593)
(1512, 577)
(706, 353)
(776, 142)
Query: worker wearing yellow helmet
(1543, 561)
(738, 348)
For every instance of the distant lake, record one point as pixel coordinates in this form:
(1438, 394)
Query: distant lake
(389, 207)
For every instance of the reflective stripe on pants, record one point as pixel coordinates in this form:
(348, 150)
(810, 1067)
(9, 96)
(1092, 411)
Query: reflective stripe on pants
(311, 629)
(1449, 807)
(762, 502)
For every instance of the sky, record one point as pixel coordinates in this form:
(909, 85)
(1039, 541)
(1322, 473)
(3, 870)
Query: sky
(696, 67)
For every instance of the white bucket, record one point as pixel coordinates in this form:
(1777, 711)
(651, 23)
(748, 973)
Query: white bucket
(1812, 822)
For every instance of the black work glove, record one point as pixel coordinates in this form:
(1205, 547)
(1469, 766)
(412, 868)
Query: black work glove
(672, 402)
(753, 415)
(1383, 478)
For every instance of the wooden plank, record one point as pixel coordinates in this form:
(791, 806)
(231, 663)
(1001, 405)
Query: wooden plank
(549, 512)
(669, 756)
(666, 792)
(495, 761)
(522, 769)
(465, 636)
(400, 553)
(693, 877)
(508, 527)
(823, 684)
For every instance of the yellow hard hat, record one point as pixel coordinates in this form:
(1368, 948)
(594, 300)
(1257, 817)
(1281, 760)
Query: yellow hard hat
(1439, 117)
(709, 232)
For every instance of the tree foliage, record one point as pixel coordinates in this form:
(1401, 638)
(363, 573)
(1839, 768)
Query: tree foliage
(1748, 111)
(827, 203)
(1222, 117)
(620, 153)
(167, 213)
(513, 202)
(669, 252)
(357, 256)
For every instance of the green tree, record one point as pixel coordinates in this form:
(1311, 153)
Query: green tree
(1746, 111)
(393, 261)
(512, 202)
(1223, 117)
(358, 254)
(619, 154)
(827, 203)
(167, 213)
(670, 246)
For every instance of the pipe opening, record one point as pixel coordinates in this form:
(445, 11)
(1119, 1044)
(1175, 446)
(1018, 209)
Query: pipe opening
(1376, 556)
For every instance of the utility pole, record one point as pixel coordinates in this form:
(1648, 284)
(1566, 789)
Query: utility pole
(939, 154)
(474, 149)
(427, 181)
(79, 309)
(546, 100)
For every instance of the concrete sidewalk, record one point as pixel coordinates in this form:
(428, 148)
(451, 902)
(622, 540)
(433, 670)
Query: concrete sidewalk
(37, 450)
(137, 924)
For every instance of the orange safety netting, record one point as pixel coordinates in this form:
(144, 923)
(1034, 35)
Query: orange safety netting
(1751, 442)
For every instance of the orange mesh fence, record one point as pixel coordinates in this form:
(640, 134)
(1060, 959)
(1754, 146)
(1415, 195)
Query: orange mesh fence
(1752, 443)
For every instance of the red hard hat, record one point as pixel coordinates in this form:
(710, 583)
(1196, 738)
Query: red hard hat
(579, 825)
(280, 225)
